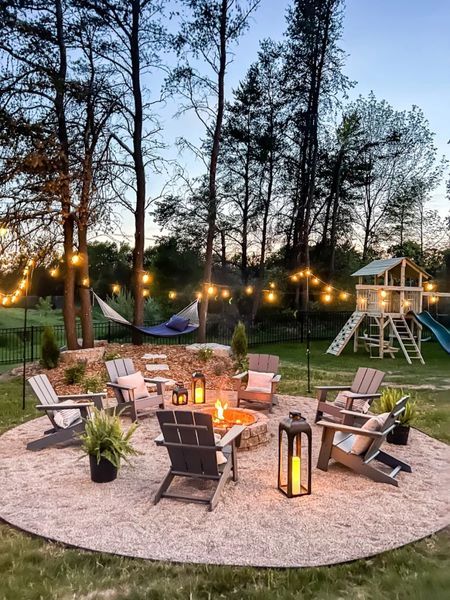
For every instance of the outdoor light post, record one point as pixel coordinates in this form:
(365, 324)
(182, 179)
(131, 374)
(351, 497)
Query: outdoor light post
(308, 336)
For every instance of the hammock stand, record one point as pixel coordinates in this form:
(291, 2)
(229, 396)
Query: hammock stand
(161, 330)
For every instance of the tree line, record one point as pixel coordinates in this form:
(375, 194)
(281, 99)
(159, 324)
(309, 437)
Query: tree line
(293, 172)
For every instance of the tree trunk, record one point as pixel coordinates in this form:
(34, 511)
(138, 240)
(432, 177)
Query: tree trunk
(139, 167)
(212, 198)
(87, 329)
(69, 285)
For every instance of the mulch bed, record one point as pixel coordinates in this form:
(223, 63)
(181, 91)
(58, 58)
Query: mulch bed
(182, 363)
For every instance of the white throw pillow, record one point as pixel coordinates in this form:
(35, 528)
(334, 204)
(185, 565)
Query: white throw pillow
(220, 456)
(136, 381)
(358, 405)
(260, 382)
(361, 443)
(66, 418)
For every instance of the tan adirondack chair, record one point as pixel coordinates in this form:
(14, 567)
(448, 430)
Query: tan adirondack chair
(189, 439)
(124, 366)
(365, 388)
(262, 363)
(50, 403)
(338, 439)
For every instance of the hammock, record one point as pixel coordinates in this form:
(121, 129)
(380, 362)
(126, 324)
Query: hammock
(190, 313)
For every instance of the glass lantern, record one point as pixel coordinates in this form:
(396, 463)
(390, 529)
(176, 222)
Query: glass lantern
(198, 388)
(179, 395)
(294, 456)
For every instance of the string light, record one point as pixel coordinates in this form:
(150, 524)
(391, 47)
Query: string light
(343, 295)
(327, 297)
(54, 272)
(315, 281)
(85, 281)
(272, 285)
(308, 273)
(199, 295)
(249, 290)
(116, 288)
(383, 293)
(146, 293)
(429, 287)
(146, 278)
(225, 293)
(328, 289)
(211, 290)
(172, 295)
(76, 259)
(271, 297)
(434, 299)
(294, 277)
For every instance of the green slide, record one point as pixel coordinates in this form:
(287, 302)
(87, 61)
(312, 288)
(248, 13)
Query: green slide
(441, 333)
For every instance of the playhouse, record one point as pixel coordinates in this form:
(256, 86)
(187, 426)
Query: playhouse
(389, 312)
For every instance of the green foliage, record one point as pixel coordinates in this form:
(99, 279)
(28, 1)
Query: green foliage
(93, 384)
(123, 303)
(49, 349)
(390, 397)
(111, 356)
(75, 373)
(205, 353)
(239, 346)
(44, 306)
(104, 438)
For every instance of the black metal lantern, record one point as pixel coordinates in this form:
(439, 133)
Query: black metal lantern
(198, 388)
(179, 395)
(294, 455)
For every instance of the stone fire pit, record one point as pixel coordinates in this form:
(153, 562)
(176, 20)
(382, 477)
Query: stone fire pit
(256, 432)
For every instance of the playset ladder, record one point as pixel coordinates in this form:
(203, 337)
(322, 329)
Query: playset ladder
(406, 339)
(344, 336)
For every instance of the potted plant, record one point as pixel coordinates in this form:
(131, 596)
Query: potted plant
(106, 444)
(399, 435)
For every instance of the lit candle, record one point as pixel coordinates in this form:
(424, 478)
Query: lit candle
(296, 475)
(198, 395)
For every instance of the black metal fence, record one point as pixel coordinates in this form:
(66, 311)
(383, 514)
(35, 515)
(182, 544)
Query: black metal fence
(322, 326)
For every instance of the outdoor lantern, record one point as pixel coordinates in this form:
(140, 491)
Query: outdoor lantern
(179, 395)
(294, 456)
(198, 388)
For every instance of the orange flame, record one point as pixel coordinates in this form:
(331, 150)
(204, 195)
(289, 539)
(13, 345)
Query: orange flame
(220, 409)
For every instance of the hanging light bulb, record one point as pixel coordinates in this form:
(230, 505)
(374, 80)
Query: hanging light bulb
(116, 288)
(54, 272)
(343, 295)
(172, 295)
(307, 272)
(22, 284)
(433, 299)
(328, 289)
(199, 295)
(85, 281)
(406, 303)
(327, 298)
(13, 299)
(271, 297)
(315, 281)
(383, 293)
(5, 301)
(429, 287)
(225, 293)
(249, 290)
(76, 259)
(294, 277)
(300, 274)
(146, 278)
(146, 293)
(272, 285)
(211, 290)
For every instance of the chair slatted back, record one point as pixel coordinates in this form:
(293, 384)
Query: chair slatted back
(189, 439)
(398, 409)
(44, 392)
(119, 368)
(263, 363)
(367, 381)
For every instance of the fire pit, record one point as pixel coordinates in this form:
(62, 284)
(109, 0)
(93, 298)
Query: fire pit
(255, 432)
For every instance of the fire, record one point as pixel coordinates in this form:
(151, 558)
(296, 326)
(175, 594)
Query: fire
(220, 409)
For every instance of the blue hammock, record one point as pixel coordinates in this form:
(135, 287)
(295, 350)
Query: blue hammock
(190, 314)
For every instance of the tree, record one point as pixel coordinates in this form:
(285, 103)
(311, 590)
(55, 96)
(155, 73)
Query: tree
(205, 36)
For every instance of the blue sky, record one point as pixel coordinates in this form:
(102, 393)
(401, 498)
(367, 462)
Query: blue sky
(400, 49)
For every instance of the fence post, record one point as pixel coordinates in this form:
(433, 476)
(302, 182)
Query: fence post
(109, 332)
(32, 343)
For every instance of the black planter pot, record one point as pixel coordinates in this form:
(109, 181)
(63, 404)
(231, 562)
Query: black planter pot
(399, 435)
(102, 472)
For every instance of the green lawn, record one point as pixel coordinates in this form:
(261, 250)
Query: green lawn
(13, 317)
(31, 569)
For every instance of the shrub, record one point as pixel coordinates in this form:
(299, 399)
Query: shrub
(49, 349)
(205, 353)
(111, 356)
(44, 306)
(389, 398)
(93, 384)
(239, 346)
(75, 373)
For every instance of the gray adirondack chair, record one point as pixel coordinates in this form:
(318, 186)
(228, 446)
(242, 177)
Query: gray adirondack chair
(124, 366)
(365, 387)
(50, 403)
(263, 363)
(189, 439)
(337, 441)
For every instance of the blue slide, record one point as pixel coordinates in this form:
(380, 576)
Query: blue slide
(441, 333)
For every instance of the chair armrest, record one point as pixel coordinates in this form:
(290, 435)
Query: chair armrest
(240, 375)
(350, 429)
(276, 379)
(121, 387)
(363, 396)
(74, 396)
(353, 413)
(230, 436)
(155, 381)
(78, 405)
(159, 440)
(332, 387)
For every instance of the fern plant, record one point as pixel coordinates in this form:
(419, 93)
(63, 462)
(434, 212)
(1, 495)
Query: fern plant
(104, 438)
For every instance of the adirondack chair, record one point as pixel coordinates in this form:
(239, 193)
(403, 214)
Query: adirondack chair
(50, 403)
(338, 439)
(365, 387)
(124, 366)
(189, 439)
(261, 363)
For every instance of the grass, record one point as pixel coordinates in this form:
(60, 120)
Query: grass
(31, 568)
(13, 317)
